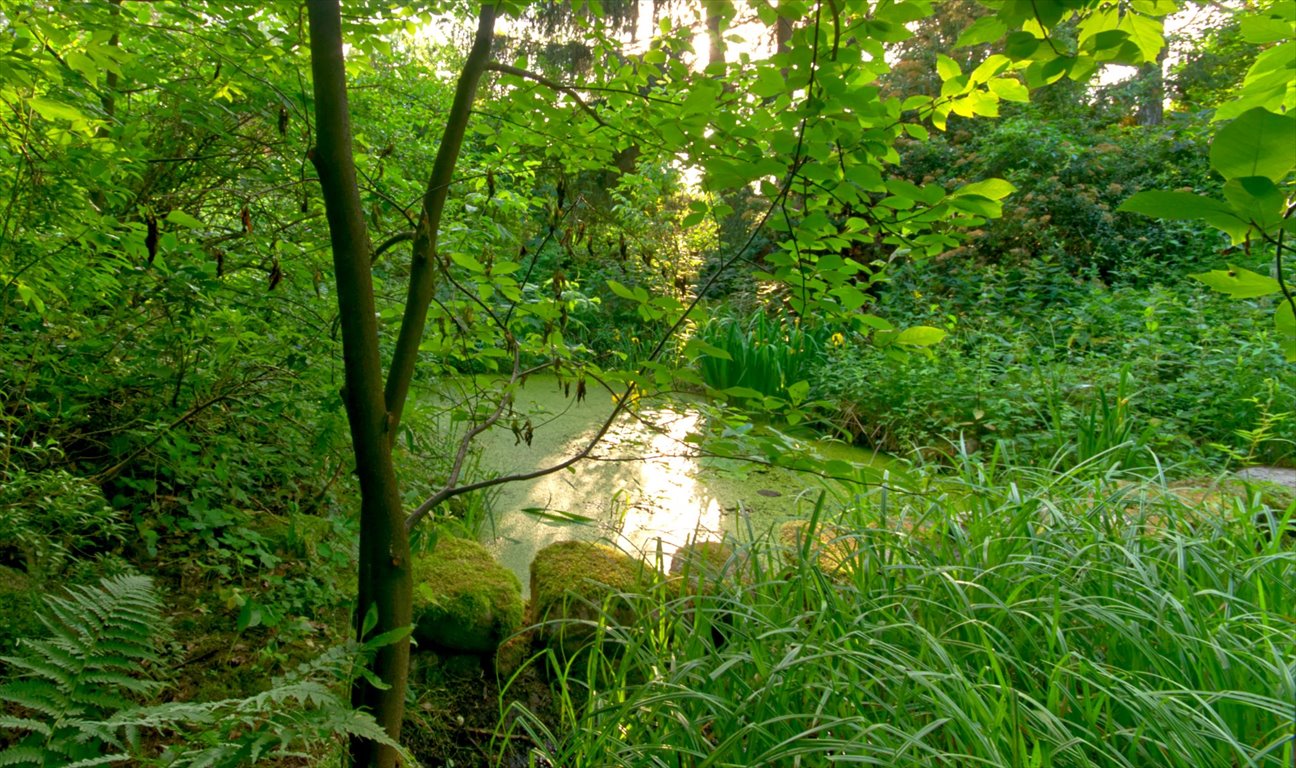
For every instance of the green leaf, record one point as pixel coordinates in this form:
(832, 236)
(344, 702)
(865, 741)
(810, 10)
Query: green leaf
(920, 336)
(1009, 89)
(697, 344)
(1257, 200)
(1257, 143)
(1238, 283)
(56, 110)
(947, 67)
(1173, 206)
(994, 189)
(468, 262)
(1264, 28)
(851, 298)
(693, 219)
(1285, 325)
(1020, 45)
(184, 219)
(623, 291)
(987, 29)
(1146, 32)
(84, 64)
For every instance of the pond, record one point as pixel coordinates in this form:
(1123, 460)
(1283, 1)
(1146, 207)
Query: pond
(643, 488)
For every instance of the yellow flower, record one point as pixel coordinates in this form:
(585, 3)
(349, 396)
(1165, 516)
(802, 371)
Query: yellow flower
(838, 339)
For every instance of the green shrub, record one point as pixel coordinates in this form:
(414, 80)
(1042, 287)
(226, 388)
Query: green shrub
(1038, 363)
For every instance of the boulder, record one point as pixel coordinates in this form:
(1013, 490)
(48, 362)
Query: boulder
(574, 582)
(695, 565)
(833, 549)
(464, 601)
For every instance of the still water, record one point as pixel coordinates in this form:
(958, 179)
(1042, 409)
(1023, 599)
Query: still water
(644, 489)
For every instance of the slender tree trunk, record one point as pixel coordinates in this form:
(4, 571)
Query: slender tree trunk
(715, 17)
(422, 284)
(385, 584)
(108, 100)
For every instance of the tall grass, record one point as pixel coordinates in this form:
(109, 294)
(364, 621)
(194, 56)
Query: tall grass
(1020, 619)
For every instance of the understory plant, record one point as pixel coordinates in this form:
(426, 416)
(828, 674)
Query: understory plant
(761, 353)
(1012, 617)
(1037, 360)
(80, 697)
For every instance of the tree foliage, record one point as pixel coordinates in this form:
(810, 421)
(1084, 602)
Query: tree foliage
(165, 250)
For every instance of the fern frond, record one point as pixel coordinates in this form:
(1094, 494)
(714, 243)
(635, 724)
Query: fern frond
(36, 695)
(91, 762)
(22, 755)
(11, 723)
(87, 667)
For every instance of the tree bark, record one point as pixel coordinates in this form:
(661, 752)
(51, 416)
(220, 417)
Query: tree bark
(385, 583)
(423, 271)
(715, 18)
(1151, 78)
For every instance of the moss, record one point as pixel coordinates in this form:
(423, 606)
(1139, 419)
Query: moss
(573, 582)
(18, 604)
(512, 654)
(463, 600)
(833, 548)
(293, 535)
(707, 562)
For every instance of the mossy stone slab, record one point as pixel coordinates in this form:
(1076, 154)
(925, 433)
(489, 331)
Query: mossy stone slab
(573, 582)
(464, 601)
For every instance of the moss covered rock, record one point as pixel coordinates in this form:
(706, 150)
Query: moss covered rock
(832, 548)
(464, 601)
(18, 604)
(575, 582)
(695, 565)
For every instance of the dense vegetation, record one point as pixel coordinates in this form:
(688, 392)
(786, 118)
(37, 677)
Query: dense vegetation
(236, 275)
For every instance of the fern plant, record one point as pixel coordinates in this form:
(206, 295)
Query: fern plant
(299, 716)
(74, 702)
(89, 667)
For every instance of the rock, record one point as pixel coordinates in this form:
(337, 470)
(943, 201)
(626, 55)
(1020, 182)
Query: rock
(512, 654)
(464, 601)
(833, 548)
(703, 562)
(573, 582)
(1277, 475)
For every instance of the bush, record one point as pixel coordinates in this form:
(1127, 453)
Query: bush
(1036, 355)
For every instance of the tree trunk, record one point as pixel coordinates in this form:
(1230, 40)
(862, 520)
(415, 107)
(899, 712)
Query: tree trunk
(385, 584)
(715, 18)
(1151, 78)
(422, 285)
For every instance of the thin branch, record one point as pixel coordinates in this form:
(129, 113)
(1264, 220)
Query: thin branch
(553, 85)
(396, 239)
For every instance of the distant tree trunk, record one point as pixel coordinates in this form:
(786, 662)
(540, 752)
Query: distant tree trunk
(385, 583)
(108, 100)
(1151, 77)
(782, 35)
(715, 18)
